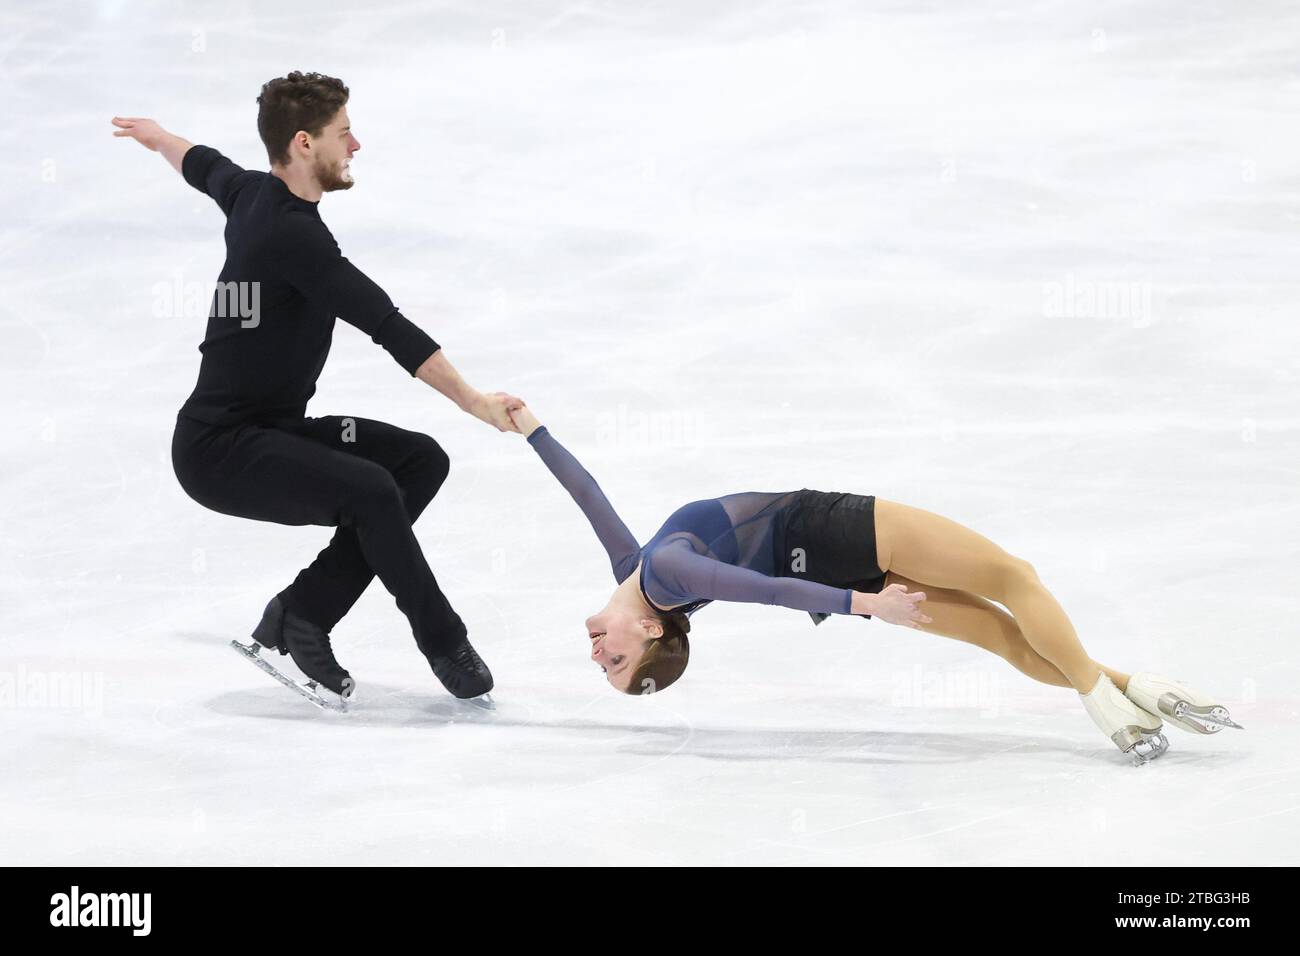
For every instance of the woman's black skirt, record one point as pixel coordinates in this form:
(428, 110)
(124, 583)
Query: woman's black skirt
(829, 537)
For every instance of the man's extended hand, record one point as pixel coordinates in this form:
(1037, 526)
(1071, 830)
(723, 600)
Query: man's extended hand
(490, 407)
(144, 131)
(494, 408)
(152, 136)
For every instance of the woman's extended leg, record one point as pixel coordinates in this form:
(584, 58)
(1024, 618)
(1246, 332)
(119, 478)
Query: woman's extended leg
(942, 553)
(970, 618)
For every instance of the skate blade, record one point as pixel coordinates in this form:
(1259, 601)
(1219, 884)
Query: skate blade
(1205, 720)
(323, 698)
(483, 702)
(1148, 749)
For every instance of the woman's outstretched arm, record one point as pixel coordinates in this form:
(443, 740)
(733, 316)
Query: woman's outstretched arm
(689, 576)
(619, 543)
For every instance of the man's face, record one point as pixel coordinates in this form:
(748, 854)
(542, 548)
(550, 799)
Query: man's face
(333, 151)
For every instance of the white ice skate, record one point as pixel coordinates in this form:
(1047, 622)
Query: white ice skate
(1178, 704)
(1130, 728)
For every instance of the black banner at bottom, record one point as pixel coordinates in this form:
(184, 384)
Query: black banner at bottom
(266, 905)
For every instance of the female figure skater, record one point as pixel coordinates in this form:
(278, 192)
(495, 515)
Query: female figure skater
(829, 553)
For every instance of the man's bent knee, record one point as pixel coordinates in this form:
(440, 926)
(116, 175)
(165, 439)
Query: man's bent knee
(373, 498)
(434, 462)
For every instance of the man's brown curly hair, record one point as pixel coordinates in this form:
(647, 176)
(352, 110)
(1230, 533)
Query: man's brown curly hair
(299, 101)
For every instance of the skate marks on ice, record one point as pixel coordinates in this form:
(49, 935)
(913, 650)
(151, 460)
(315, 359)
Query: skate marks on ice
(368, 704)
(323, 697)
(379, 705)
(913, 747)
(386, 705)
(371, 705)
(862, 747)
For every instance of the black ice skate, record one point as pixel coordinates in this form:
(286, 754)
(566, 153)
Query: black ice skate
(463, 672)
(309, 647)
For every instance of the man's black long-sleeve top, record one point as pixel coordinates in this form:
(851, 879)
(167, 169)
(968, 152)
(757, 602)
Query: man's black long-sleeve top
(262, 365)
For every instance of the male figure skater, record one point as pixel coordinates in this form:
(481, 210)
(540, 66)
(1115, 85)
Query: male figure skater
(243, 444)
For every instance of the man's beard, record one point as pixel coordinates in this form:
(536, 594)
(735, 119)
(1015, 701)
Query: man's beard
(332, 177)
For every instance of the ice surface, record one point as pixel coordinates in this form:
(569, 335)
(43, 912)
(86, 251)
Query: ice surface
(1028, 265)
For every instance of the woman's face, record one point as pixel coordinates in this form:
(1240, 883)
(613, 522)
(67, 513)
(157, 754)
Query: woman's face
(618, 640)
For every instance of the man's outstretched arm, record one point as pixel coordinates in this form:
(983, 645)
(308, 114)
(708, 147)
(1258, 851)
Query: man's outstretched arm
(152, 136)
(202, 167)
(304, 252)
(490, 407)
(435, 370)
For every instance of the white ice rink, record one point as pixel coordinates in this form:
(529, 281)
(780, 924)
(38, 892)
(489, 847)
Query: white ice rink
(1028, 265)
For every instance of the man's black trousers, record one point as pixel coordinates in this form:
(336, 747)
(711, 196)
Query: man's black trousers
(369, 479)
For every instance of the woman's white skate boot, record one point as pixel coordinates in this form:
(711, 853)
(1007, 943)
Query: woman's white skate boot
(1130, 728)
(1178, 704)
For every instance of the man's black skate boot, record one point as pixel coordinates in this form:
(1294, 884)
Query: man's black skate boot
(308, 645)
(269, 630)
(460, 668)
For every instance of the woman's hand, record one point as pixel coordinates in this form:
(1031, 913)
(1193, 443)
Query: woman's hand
(894, 605)
(524, 420)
